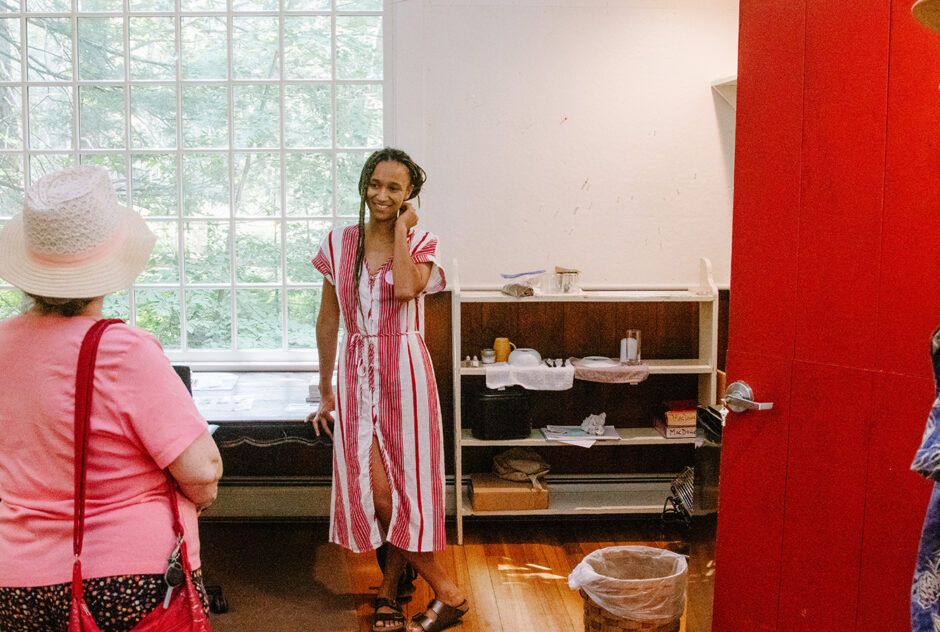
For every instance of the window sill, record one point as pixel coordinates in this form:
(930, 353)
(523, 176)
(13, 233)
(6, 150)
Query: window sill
(202, 366)
(257, 396)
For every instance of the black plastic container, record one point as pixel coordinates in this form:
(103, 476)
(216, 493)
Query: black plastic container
(501, 414)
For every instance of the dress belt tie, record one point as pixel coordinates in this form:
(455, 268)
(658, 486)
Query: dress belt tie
(358, 339)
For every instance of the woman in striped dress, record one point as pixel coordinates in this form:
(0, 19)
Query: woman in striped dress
(388, 461)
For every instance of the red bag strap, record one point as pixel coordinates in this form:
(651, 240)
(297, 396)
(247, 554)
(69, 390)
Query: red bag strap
(174, 504)
(84, 388)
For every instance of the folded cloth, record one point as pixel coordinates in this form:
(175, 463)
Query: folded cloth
(613, 374)
(533, 378)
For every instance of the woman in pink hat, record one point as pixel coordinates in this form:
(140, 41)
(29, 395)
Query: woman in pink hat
(73, 244)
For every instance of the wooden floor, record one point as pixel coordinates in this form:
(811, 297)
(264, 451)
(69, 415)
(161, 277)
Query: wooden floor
(286, 577)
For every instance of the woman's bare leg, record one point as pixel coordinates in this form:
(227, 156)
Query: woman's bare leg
(394, 567)
(441, 583)
(433, 573)
(382, 498)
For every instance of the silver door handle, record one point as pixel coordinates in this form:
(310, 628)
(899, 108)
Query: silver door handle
(739, 398)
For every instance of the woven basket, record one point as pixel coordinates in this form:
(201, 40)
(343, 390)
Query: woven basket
(596, 619)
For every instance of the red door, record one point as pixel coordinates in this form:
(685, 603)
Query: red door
(835, 290)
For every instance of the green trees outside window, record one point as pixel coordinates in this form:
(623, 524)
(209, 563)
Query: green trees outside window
(238, 134)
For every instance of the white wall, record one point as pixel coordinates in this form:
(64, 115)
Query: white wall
(580, 133)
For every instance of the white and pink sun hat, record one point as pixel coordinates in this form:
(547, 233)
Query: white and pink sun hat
(73, 239)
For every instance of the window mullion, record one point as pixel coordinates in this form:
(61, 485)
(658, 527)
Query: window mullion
(180, 224)
(229, 25)
(388, 87)
(24, 94)
(76, 97)
(283, 177)
(333, 135)
(128, 147)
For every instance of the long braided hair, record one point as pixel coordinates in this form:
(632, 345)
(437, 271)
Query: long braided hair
(416, 176)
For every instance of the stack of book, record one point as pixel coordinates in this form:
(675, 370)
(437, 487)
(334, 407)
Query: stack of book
(677, 419)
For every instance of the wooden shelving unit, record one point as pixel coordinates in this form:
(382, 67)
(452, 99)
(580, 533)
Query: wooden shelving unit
(641, 495)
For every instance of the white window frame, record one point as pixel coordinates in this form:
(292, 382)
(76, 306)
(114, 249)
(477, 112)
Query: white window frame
(273, 359)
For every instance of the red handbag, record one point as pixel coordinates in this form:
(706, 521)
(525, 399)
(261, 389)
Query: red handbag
(184, 612)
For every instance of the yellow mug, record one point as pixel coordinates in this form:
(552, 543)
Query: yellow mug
(502, 346)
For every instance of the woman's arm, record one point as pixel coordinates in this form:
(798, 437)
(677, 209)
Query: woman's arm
(198, 470)
(327, 332)
(410, 278)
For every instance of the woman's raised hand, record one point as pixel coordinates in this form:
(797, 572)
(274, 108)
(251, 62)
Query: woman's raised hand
(323, 418)
(407, 216)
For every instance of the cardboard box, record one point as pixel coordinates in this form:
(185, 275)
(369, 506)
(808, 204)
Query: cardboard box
(677, 413)
(489, 492)
(681, 417)
(674, 432)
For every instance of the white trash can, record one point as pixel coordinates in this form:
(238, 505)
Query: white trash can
(631, 589)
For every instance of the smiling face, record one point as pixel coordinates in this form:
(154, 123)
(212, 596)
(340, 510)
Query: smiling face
(389, 187)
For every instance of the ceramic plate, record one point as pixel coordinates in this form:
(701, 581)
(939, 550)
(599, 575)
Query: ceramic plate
(598, 361)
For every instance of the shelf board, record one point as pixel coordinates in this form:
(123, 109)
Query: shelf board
(628, 436)
(616, 296)
(657, 367)
(727, 89)
(644, 499)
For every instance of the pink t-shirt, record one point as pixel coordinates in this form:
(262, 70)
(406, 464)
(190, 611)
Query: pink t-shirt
(142, 418)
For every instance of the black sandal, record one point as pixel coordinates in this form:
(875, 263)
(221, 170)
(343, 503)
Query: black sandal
(388, 621)
(439, 616)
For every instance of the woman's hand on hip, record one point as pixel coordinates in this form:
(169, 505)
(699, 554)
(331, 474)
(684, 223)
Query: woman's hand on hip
(323, 418)
(407, 217)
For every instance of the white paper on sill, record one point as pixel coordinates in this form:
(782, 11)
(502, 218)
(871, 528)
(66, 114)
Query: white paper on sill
(581, 443)
(214, 381)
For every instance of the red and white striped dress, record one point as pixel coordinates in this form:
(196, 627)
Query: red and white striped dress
(386, 388)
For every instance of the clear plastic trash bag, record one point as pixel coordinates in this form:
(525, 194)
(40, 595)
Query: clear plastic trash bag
(634, 582)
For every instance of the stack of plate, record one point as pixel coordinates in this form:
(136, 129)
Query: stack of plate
(598, 361)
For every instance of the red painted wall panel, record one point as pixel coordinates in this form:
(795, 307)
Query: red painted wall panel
(860, 124)
(830, 411)
(844, 114)
(896, 501)
(750, 503)
(767, 176)
(761, 336)
(909, 301)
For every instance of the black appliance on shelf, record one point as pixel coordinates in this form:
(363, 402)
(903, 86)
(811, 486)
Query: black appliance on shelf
(501, 414)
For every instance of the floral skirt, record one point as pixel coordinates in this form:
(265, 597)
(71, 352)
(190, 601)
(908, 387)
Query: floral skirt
(117, 603)
(925, 592)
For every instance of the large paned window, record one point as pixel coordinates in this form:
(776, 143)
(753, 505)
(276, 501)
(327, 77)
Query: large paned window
(236, 127)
